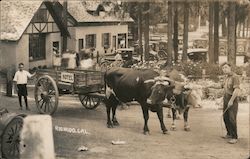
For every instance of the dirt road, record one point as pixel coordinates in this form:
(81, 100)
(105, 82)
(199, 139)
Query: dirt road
(202, 142)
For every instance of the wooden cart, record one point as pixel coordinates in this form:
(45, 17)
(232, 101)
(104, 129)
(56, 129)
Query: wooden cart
(88, 84)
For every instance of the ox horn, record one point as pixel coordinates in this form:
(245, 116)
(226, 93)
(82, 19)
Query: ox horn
(166, 83)
(163, 78)
(149, 81)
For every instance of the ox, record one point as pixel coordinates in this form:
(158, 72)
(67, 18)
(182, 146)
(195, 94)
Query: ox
(180, 97)
(125, 85)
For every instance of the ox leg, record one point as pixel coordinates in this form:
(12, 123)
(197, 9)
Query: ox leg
(185, 116)
(114, 120)
(173, 127)
(111, 102)
(160, 116)
(109, 123)
(178, 117)
(169, 114)
(146, 117)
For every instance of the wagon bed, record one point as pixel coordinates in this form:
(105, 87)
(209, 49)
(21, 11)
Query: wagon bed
(88, 84)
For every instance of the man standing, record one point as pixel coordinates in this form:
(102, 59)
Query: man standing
(230, 102)
(21, 79)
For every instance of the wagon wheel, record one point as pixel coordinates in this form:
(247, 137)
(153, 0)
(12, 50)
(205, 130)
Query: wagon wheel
(89, 102)
(46, 95)
(11, 138)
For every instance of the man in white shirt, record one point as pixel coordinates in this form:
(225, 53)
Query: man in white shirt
(21, 79)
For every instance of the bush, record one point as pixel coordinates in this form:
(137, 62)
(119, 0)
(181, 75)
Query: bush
(212, 71)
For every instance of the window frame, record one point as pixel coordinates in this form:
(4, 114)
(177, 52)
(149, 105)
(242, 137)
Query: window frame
(38, 50)
(90, 43)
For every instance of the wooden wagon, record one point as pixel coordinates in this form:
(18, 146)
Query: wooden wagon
(88, 84)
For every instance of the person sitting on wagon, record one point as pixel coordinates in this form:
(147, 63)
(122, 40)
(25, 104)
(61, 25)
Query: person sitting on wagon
(69, 59)
(56, 58)
(118, 61)
(86, 61)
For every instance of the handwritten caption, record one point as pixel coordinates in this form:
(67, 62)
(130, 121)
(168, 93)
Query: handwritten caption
(72, 130)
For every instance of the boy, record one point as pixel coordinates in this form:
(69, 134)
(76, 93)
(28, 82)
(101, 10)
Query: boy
(21, 79)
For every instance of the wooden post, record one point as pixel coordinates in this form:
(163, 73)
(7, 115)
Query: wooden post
(37, 138)
(9, 81)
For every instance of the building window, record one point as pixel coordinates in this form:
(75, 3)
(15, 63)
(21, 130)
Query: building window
(56, 46)
(41, 16)
(106, 40)
(37, 46)
(114, 42)
(91, 41)
(80, 44)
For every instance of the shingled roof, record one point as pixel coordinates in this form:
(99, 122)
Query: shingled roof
(17, 14)
(15, 17)
(79, 10)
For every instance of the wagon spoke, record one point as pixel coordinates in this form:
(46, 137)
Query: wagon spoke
(42, 105)
(51, 92)
(83, 99)
(11, 138)
(46, 104)
(40, 89)
(42, 84)
(49, 106)
(87, 101)
(40, 100)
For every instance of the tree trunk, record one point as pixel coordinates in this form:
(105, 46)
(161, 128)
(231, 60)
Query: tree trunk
(146, 31)
(231, 38)
(223, 25)
(247, 34)
(243, 29)
(140, 31)
(216, 32)
(211, 34)
(64, 37)
(185, 34)
(175, 40)
(238, 30)
(170, 31)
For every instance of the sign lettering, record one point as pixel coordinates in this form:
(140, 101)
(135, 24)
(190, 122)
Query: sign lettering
(67, 77)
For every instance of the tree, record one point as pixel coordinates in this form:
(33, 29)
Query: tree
(140, 31)
(185, 35)
(231, 38)
(216, 32)
(211, 33)
(175, 37)
(170, 30)
(146, 30)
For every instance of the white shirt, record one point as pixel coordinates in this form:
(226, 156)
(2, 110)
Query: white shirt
(87, 63)
(21, 77)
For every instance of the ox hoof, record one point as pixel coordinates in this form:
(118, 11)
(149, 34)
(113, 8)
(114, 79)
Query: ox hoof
(187, 128)
(109, 126)
(166, 132)
(116, 123)
(146, 133)
(173, 128)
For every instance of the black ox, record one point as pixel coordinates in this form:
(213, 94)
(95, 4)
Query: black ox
(179, 98)
(126, 85)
